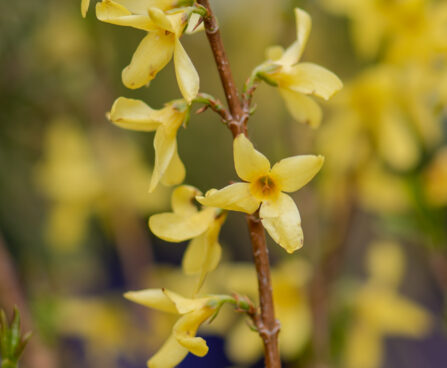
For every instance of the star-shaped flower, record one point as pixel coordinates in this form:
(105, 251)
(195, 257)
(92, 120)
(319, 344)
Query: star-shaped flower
(136, 115)
(160, 44)
(187, 222)
(297, 80)
(264, 187)
(183, 339)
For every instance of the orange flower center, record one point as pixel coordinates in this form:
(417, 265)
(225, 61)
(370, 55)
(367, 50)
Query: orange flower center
(264, 188)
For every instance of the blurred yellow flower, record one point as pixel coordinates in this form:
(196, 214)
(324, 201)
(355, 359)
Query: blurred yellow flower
(101, 324)
(296, 80)
(80, 177)
(289, 280)
(374, 21)
(183, 339)
(160, 44)
(380, 311)
(382, 191)
(136, 115)
(187, 222)
(371, 107)
(264, 186)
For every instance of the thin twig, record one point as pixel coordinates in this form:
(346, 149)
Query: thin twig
(266, 323)
(326, 272)
(215, 105)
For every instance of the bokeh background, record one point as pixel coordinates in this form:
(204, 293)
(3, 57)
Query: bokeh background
(368, 288)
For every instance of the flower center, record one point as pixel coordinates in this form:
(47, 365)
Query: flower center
(264, 188)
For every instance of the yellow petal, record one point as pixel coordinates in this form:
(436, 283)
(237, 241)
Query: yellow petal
(282, 221)
(397, 143)
(368, 32)
(161, 19)
(234, 197)
(187, 76)
(186, 328)
(152, 298)
(203, 253)
(296, 326)
(389, 313)
(84, 7)
(192, 28)
(250, 164)
(303, 108)
(165, 147)
(363, 348)
(174, 227)
(186, 305)
(274, 52)
(243, 345)
(151, 55)
(303, 26)
(309, 78)
(175, 172)
(386, 263)
(142, 6)
(295, 172)
(113, 12)
(182, 200)
(169, 355)
(133, 114)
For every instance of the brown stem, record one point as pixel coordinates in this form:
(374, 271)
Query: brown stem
(238, 115)
(267, 325)
(325, 273)
(36, 354)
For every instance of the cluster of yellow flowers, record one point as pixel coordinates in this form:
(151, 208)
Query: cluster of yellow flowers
(393, 109)
(264, 187)
(82, 175)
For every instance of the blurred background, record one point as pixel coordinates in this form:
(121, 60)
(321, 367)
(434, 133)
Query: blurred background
(368, 288)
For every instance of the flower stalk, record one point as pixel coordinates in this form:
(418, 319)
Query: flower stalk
(266, 324)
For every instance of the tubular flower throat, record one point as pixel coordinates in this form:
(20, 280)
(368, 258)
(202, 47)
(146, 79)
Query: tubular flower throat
(297, 80)
(187, 222)
(159, 46)
(136, 115)
(183, 339)
(264, 187)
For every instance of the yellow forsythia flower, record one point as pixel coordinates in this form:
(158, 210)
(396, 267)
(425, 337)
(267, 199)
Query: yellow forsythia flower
(380, 311)
(264, 186)
(160, 44)
(183, 339)
(296, 80)
(136, 115)
(186, 222)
